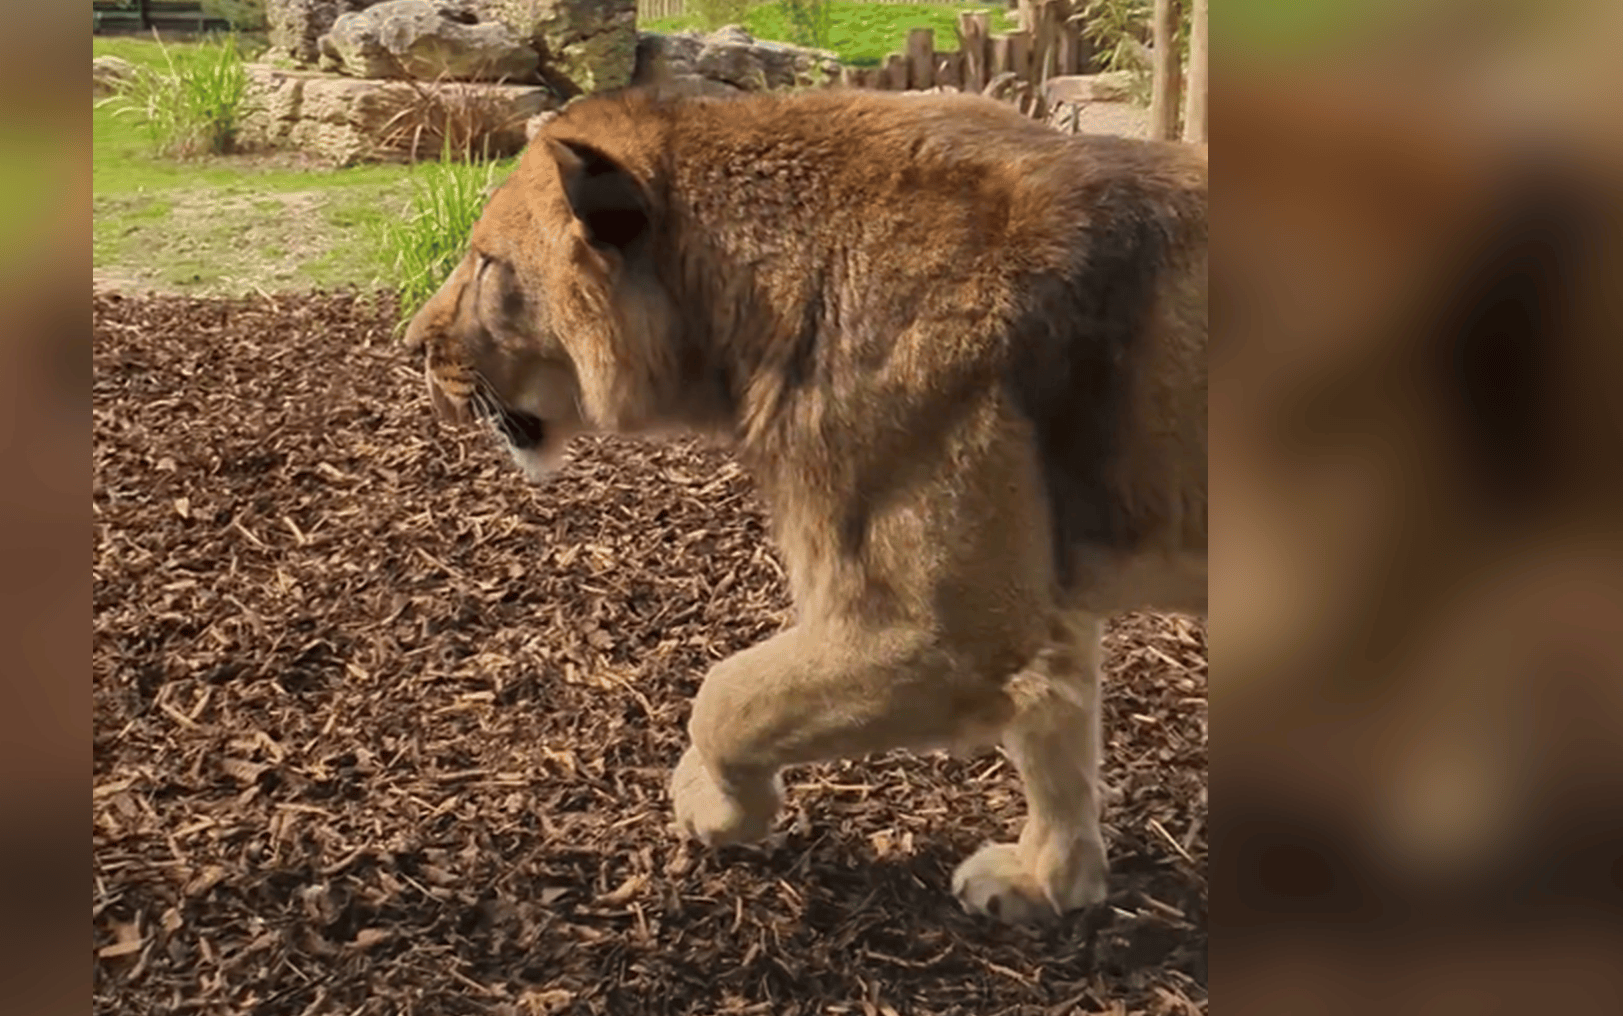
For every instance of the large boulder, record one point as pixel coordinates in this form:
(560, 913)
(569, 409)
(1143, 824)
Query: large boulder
(345, 121)
(427, 40)
(296, 27)
(1110, 86)
(730, 59)
(585, 45)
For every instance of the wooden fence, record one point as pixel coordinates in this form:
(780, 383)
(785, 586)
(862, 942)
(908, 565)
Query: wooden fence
(652, 10)
(122, 17)
(1049, 44)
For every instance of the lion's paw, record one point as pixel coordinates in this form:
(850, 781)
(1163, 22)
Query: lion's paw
(715, 816)
(997, 881)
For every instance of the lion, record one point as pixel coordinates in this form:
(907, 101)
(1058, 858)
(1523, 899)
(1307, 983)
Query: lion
(962, 356)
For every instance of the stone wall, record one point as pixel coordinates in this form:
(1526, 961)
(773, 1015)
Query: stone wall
(345, 121)
(575, 47)
(427, 40)
(345, 77)
(728, 61)
(296, 27)
(585, 45)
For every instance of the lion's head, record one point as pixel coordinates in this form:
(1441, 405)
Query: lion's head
(559, 321)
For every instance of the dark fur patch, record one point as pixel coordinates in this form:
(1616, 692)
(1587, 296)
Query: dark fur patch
(801, 357)
(1072, 360)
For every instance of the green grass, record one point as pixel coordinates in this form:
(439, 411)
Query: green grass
(863, 34)
(113, 235)
(145, 52)
(424, 246)
(216, 223)
(235, 223)
(189, 106)
(124, 162)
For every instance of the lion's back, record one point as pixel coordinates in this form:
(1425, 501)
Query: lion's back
(935, 246)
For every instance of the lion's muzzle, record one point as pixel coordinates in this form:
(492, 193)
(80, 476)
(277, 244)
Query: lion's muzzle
(447, 408)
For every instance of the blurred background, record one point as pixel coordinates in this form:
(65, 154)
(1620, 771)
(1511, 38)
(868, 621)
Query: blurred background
(44, 508)
(1417, 767)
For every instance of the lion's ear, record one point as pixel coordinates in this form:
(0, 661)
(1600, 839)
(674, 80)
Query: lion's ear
(604, 196)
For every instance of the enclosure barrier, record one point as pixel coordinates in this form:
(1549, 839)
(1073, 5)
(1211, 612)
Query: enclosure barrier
(648, 10)
(1048, 44)
(126, 17)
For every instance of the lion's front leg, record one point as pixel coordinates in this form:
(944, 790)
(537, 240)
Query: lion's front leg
(808, 695)
(717, 815)
(1059, 863)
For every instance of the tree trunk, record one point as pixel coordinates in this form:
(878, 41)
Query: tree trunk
(1164, 72)
(1194, 113)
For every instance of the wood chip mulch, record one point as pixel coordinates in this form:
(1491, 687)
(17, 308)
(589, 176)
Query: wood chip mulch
(382, 729)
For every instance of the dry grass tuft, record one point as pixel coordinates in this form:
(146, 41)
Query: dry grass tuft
(460, 120)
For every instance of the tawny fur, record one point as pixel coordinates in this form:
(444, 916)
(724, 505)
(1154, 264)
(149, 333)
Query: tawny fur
(964, 357)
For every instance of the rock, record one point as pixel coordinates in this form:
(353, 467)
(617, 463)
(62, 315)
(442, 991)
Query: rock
(296, 27)
(428, 40)
(696, 84)
(1120, 118)
(1112, 86)
(732, 58)
(662, 57)
(585, 45)
(109, 75)
(349, 120)
(534, 124)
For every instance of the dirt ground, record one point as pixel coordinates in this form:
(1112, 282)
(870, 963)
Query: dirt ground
(381, 729)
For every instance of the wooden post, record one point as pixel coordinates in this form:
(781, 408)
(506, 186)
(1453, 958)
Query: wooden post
(1020, 55)
(1024, 11)
(895, 73)
(1164, 72)
(973, 27)
(1045, 43)
(1066, 48)
(1000, 57)
(1194, 111)
(848, 76)
(921, 58)
(949, 69)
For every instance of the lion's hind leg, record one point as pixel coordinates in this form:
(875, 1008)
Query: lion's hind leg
(1059, 863)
